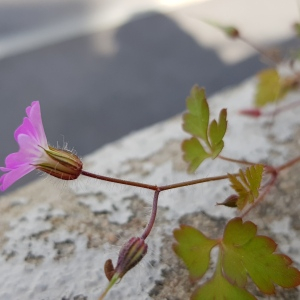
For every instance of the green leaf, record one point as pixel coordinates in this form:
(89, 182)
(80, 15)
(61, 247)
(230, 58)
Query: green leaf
(247, 184)
(270, 88)
(193, 153)
(244, 253)
(218, 288)
(196, 120)
(217, 149)
(193, 247)
(217, 132)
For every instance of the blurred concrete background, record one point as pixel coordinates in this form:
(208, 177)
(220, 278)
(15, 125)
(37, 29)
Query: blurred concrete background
(103, 68)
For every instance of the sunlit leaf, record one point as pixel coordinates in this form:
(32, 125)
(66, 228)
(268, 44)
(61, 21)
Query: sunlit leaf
(218, 288)
(270, 88)
(195, 121)
(245, 253)
(247, 184)
(193, 247)
(193, 153)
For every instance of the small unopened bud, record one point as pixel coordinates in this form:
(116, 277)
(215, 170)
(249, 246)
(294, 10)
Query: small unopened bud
(231, 31)
(230, 201)
(252, 112)
(129, 256)
(60, 163)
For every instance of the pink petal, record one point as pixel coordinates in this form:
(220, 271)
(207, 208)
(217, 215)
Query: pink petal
(14, 160)
(34, 114)
(27, 128)
(29, 153)
(6, 180)
(31, 138)
(29, 147)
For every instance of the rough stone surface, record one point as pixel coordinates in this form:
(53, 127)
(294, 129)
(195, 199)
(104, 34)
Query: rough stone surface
(55, 238)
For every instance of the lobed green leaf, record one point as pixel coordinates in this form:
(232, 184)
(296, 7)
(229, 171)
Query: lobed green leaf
(193, 153)
(270, 88)
(218, 288)
(244, 253)
(216, 133)
(247, 184)
(196, 120)
(194, 248)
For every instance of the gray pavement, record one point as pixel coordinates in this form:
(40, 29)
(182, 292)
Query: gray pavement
(96, 87)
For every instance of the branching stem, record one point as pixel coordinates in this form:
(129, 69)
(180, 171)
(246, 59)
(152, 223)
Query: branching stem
(157, 189)
(154, 187)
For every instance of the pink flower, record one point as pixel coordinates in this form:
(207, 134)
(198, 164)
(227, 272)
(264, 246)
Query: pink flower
(34, 153)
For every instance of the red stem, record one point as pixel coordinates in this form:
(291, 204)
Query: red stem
(192, 182)
(288, 164)
(120, 181)
(153, 216)
(244, 162)
(154, 187)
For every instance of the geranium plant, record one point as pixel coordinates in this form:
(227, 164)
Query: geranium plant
(242, 253)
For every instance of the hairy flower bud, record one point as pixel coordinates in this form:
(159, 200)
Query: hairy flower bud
(130, 255)
(60, 163)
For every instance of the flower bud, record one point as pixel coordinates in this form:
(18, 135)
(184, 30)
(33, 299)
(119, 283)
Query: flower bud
(230, 201)
(129, 256)
(231, 31)
(60, 163)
